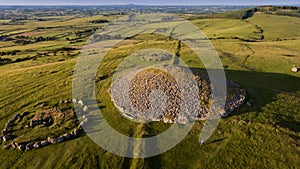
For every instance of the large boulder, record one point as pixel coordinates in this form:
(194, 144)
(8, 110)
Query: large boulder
(25, 114)
(67, 136)
(7, 146)
(68, 101)
(9, 123)
(295, 69)
(75, 132)
(6, 138)
(21, 147)
(182, 120)
(14, 144)
(60, 139)
(80, 102)
(16, 117)
(4, 131)
(29, 146)
(37, 145)
(52, 140)
(44, 143)
(85, 109)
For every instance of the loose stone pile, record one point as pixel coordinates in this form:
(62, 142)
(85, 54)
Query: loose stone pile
(235, 102)
(153, 55)
(144, 82)
(155, 95)
(157, 57)
(46, 120)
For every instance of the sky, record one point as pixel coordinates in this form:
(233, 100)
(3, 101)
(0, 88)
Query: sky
(149, 2)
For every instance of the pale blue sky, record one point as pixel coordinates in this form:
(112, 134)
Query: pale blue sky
(148, 2)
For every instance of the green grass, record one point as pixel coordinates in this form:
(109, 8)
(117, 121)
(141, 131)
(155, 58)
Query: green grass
(277, 27)
(228, 28)
(260, 56)
(265, 135)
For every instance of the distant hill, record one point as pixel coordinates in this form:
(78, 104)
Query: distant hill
(293, 11)
(238, 14)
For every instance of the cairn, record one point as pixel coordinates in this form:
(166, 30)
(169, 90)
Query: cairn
(46, 120)
(142, 85)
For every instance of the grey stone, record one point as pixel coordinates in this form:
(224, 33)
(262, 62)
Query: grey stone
(14, 144)
(67, 101)
(37, 145)
(16, 117)
(85, 108)
(21, 147)
(44, 143)
(7, 146)
(25, 114)
(4, 131)
(80, 102)
(29, 146)
(5, 138)
(60, 139)
(295, 69)
(52, 140)
(249, 104)
(67, 136)
(42, 105)
(76, 131)
(182, 120)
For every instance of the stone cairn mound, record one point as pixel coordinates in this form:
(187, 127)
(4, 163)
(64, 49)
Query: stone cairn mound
(45, 119)
(135, 94)
(154, 55)
(236, 96)
(157, 93)
(144, 82)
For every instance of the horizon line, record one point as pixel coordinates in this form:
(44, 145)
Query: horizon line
(149, 5)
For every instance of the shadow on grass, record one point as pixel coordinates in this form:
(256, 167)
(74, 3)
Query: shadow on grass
(261, 87)
(218, 140)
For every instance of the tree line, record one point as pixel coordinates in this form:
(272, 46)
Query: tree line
(24, 40)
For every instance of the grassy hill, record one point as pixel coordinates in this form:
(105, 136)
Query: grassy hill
(264, 135)
(277, 27)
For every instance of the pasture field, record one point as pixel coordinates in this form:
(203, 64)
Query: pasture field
(227, 28)
(263, 135)
(277, 27)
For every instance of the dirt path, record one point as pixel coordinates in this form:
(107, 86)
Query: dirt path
(138, 162)
(234, 60)
(177, 54)
(252, 53)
